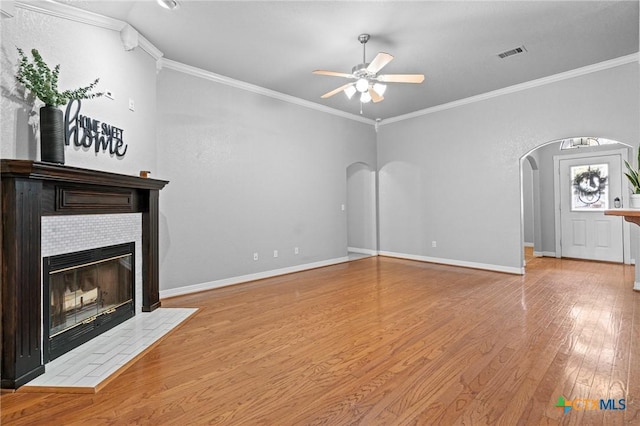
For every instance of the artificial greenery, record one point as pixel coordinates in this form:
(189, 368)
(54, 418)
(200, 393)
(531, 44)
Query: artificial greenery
(40, 80)
(634, 175)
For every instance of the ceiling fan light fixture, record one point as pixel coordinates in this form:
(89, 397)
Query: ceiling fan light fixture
(366, 78)
(362, 85)
(168, 4)
(380, 88)
(350, 91)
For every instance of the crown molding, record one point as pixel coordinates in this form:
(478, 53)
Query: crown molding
(59, 10)
(600, 66)
(208, 75)
(64, 11)
(7, 8)
(148, 47)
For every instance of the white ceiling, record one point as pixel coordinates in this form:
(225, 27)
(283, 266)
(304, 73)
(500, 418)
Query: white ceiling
(276, 44)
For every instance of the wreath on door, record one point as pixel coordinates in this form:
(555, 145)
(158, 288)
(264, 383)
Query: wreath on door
(590, 185)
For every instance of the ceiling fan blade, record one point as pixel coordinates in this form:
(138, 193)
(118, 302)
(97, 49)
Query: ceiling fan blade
(333, 73)
(375, 97)
(401, 78)
(333, 92)
(379, 62)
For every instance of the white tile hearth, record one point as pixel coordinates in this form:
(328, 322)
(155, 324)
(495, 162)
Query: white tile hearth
(85, 368)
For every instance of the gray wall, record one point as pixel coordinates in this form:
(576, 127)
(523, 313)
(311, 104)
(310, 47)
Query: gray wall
(249, 173)
(84, 52)
(361, 207)
(453, 176)
(254, 174)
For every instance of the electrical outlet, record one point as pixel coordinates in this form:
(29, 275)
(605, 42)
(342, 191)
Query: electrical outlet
(255, 256)
(132, 106)
(433, 244)
(342, 207)
(275, 253)
(296, 250)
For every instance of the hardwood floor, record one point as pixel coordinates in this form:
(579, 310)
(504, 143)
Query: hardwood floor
(383, 341)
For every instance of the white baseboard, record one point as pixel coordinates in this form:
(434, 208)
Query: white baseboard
(636, 286)
(362, 251)
(179, 291)
(544, 253)
(452, 262)
(528, 244)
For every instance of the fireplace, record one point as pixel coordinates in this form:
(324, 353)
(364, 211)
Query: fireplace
(34, 196)
(85, 294)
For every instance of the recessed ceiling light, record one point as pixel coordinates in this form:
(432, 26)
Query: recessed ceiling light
(168, 4)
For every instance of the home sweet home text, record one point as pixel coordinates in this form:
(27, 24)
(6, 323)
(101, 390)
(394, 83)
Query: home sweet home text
(85, 131)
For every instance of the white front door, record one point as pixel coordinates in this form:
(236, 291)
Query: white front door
(588, 186)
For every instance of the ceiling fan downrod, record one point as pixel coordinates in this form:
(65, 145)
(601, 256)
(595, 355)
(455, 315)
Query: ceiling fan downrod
(364, 38)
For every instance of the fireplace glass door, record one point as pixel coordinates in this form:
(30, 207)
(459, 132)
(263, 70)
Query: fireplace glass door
(82, 293)
(86, 294)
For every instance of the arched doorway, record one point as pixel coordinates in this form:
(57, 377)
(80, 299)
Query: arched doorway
(362, 238)
(541, 220)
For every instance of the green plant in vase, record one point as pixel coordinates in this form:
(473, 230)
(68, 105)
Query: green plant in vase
(39, 79)
(633, 175)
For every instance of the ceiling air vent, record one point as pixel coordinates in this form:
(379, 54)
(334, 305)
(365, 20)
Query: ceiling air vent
(518, 50)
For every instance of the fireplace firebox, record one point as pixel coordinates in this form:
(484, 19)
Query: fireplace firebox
(85, 294)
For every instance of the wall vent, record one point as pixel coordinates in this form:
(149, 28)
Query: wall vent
(516, 51)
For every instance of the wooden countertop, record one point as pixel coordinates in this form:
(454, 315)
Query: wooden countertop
(630, 215)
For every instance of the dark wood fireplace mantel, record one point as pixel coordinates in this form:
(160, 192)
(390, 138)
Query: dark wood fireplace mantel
(31, 190)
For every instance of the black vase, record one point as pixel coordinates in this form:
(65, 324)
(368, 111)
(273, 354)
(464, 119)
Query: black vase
(51, 135)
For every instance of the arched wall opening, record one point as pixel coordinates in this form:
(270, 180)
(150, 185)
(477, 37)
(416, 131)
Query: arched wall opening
(539, 187)
(361, 210)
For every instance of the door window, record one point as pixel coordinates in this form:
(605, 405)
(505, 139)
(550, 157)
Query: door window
(589, 187)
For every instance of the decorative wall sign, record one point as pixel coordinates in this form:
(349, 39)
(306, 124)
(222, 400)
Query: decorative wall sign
(590, 187)
(85, 131)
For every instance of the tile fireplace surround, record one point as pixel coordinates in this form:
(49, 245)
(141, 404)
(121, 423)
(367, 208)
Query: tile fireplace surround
(33, 191)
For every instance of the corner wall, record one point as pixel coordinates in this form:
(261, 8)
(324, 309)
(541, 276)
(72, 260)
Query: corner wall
(84, 53)
(249, 174)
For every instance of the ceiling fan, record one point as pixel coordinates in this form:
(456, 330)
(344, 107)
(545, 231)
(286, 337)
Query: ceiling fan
(367, 81)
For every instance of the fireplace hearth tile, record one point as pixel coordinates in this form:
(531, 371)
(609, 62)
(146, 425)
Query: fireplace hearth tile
(88, 367)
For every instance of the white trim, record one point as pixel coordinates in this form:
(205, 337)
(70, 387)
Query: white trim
(544, 253)
(71, 13)
(362, 251)
(208, 75)
(636, 286)
(453, 262)
(148, 47)
(528, 244)
(612, 63)
(65, 11)
(7, 8)
(250, 277)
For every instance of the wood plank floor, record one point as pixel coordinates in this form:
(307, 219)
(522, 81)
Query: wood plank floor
(382, 341)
